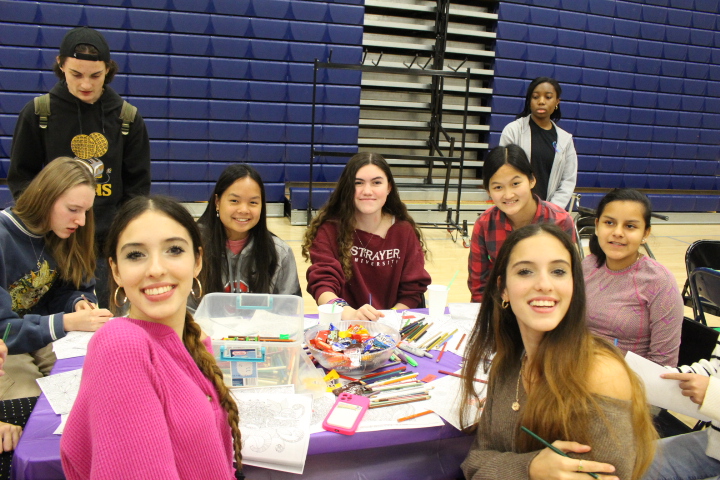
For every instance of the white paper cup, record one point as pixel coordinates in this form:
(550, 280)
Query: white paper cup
(327, 315)
(437, 300)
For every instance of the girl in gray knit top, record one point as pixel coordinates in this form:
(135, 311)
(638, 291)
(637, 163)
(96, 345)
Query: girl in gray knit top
(549, 374)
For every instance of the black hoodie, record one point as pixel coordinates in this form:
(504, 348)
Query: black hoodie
(126, 162)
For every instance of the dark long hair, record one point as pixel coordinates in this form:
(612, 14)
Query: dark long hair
(340, 208)
(556, 115)
(263, 260)
(512, 155)
(191, 333)
(560, 403)
(619, 195)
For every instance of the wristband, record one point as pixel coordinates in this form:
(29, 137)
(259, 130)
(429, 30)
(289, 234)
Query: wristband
(338, 301)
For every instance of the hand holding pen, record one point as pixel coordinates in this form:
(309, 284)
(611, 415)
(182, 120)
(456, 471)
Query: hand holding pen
(84, 304)
(553, 462)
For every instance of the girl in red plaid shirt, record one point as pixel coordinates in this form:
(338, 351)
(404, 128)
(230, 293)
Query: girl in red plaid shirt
(508, 178)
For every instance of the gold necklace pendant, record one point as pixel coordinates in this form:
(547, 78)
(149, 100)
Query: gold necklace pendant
(516, 406)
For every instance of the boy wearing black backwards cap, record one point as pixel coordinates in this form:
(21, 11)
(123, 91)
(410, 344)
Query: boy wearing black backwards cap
(83, 117)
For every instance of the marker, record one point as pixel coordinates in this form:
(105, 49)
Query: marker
(410, 417)
(413, 350)
(405, 359)
(551, 447)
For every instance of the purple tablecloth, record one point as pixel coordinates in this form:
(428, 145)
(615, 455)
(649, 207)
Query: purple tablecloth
(37, 456)
(424, 453)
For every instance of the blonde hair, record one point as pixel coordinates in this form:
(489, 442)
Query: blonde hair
(75, 255)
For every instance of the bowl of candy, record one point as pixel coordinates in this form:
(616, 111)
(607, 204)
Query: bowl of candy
(352, 346)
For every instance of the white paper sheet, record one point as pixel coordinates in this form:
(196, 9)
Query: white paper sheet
(59, 430)
(663, 392)
(275, 430)
(385, 418)
(445, 399)
(61, 390)
(73, 344)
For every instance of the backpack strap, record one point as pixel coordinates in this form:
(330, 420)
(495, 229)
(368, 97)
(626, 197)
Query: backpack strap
(42, 109)
(127, 115)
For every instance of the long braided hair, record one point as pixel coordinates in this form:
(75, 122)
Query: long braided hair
(191, 333)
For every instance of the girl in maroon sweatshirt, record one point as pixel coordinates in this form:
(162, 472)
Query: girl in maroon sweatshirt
(367, 253)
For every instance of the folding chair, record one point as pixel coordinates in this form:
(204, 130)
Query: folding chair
(702, 253)
(705, 291)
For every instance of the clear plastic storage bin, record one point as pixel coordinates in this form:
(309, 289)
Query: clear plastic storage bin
(257, 340)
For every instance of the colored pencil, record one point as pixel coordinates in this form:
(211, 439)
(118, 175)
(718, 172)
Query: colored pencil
(445, 372)
(553, 448)
(92, 305)
(410, 417)
(387, 404)
(375, 374)
(7, 332)
(460, 342)
(441, 353)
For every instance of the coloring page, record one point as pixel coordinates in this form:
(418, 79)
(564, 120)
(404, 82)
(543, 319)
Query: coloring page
(74, 344)
(61, 390)
(275, 430)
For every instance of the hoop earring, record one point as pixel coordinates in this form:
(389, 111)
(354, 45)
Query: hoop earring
(197, 296)
(115, 297)
(505, 304)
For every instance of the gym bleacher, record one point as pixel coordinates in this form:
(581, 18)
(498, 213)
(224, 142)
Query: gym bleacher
(641, 91)
(217, 82)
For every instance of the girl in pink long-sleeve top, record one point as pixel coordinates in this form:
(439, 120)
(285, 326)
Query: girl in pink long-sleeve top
(632, 299)
(152, 402)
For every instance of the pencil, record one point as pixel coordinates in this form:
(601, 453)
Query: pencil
(92, 305)
(460, 342)
(453, 374)
(410, 417)
(441, 353)
(387, 404)
(7, 332)
(409, 338)
(375, 374)
(553, 448)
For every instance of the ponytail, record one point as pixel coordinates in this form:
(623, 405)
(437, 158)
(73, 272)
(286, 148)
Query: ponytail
(208, 366)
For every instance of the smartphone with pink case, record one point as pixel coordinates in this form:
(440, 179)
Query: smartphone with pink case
(345, 415)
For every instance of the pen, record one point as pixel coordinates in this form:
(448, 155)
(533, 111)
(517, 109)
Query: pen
(92, 305)
(410, 417)
(551, 447)
(7, 332)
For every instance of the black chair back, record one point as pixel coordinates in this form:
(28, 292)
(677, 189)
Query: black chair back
(705, 291)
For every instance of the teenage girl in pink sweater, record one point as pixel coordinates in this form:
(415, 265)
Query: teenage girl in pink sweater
(633, 301)
(152, 402)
